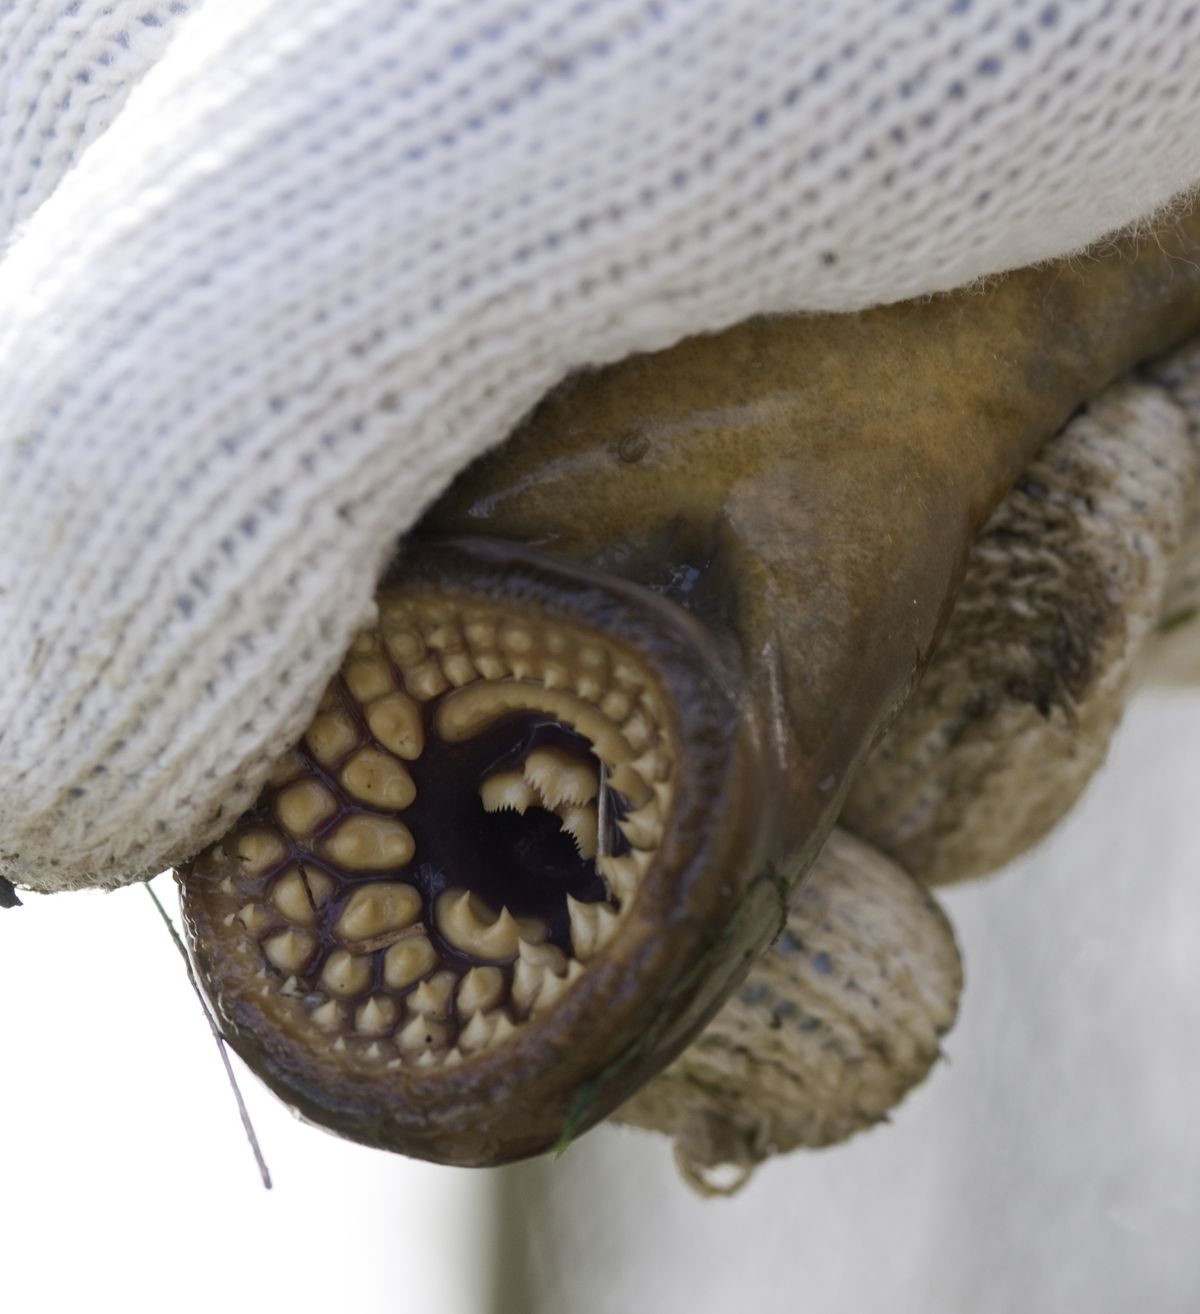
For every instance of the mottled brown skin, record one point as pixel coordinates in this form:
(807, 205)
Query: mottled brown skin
(808, 489)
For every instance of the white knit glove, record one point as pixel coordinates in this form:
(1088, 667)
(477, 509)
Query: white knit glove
(275, 269)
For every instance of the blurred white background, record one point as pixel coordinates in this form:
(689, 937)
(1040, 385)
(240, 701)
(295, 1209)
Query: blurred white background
(1052, 1165)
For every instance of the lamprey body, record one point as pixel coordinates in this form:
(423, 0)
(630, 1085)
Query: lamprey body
(556, 804)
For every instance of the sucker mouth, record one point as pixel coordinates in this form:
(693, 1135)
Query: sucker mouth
(463, 839)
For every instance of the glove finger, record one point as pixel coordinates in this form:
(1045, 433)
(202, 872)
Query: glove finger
(1063, 590)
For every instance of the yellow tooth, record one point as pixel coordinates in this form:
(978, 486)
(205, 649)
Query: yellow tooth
(664, 792)
(620, 874)
(378, 909)
(625, 780)
(553, 989)
(527, 981)
(258, 850)
(507, 789)
(395, 721)
(368, 678)
(589, 688)
(304, 806)
(476, 1034)
(459, 669)
(298, 897)
(344, 975)
(480, 633)
(405, 646)
(481, 988)
(425, 681)
(328, 1016)
(650, 766)
(331, 736)
(503, 1029)
(627, 674)
(542, 955)
(288, 767)
(364, 644)
(592, 927)
(517, 639)
(466, 712)
(473, 928)
(408, 961)
(491, 666)
(642, 828)
(431, 998)
(616, 704)
(253, 917)
(375, 777)
(289, 950)
(368, 843)
(421, 1033)
(376, 1016)
(582, 824)
(555, 675)
(561, 777)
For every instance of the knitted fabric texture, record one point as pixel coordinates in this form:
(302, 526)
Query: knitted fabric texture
(274, 270)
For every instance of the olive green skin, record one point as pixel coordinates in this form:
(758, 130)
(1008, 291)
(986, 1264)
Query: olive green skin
(811, 485)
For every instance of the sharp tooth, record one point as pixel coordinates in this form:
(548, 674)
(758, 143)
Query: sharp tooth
(553, 989)
(650, 766)
(490, 666)
(345, 975)
(476, 1034)
(574, 971)
(620, 874)
(543, 955)
(373, 1051)
(289, 950)
(589, 687)
(253, 917)
(561, 777)
(454, 1058)
(431, 997)
(408, 961)
(638, 731)
(369, 843)
(395, 721)
(291, 987)
(664, 791)
(625, 780)
(582, 824)
(459, 669)
(328, 1016)
(420, 1034)
(507, 789)
(503, 1029)
(642, 829)
(425, 681)
(426, 1059)
(227, 887)
(471, 926)
(592, 927)
(527, 981)
(376, 1016)
(378, 909)
(555, 675)
(481, 989)
(616, 705)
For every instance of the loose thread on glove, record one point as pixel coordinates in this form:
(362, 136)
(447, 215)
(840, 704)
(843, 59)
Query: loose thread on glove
(247, 1126)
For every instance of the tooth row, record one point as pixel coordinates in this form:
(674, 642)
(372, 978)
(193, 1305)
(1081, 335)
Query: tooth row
(467, 922)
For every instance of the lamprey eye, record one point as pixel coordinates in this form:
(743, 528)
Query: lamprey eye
(464, 915)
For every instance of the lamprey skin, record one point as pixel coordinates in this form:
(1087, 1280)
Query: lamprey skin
(521, 855)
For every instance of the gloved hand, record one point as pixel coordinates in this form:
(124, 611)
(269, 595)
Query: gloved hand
(274, 272)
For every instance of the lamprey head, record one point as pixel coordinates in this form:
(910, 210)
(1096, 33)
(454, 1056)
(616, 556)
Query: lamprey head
(519, 857)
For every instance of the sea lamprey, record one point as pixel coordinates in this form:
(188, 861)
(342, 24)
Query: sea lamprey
(559, 800)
